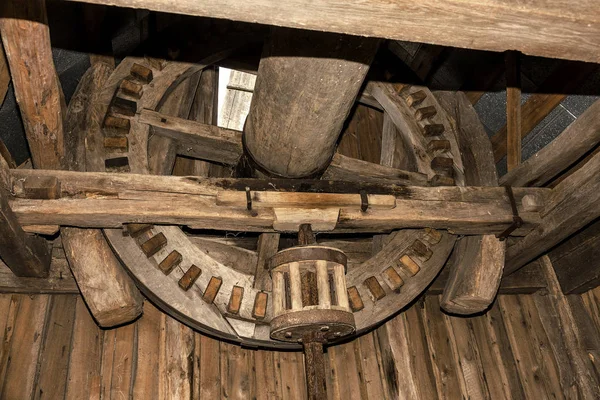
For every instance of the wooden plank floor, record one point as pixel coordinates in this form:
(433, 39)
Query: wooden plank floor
(52, 349)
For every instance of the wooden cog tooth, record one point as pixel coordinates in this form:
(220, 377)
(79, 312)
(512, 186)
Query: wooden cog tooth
(375, 288)
(117, 164)
(123, 106)
(152, 246)
(117, 124)
(119, 143)
(432, 236)
(394, 280)
(425, 113)
(441, 180)
(235, 301)
(214, 285)
(136, 230)
(433, 130)
(131, 88)
(260, 305)
(416, 98)
(189, 278)
(170, 262)
(438, 146)
(409, 265)
(141, 73)
(356, 303)
(421, 250)
(443, 165)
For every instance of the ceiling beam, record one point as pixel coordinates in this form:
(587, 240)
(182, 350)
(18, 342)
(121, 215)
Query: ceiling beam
(558, 29)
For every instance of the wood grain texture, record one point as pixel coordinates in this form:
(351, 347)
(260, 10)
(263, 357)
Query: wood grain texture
(118, 300)
(548, 29)
(574, 367)
(477, 261)
(24, 254)
(557, 156)
(517, 350)
(513, 109)
(111, 293)
(203, 141)
(572, 205)
(300, 103)
(26, 41)
(141, 199)
(576, 261)
(549, 95)
(344, 168)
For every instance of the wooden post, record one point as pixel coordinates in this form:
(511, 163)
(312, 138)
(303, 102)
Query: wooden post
(26, 38)
(24, 254)
(513, 110)
(108, 291)
(306, 85)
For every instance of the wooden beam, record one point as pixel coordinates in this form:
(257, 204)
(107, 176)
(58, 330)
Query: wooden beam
(26, 255)
(570, 146)
(513, 109)
(108, 291)
(105, 286)
(557, 29)
(565, 337)
(549, 95)
(344, 168)
(572, 205)
(203, 141)
(576, 261)
(526, 280)
(26, 39)
(110, 199)
(306, 85)
(59, 279)
(477, 261)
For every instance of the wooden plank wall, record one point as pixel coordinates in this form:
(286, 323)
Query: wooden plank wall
(51, 348)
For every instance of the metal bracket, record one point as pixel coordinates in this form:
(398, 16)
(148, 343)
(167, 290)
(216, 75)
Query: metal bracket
(364, 201)
(248, 199)
(517, 220)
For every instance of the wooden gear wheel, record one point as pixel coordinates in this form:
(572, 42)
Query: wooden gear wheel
(189, 278)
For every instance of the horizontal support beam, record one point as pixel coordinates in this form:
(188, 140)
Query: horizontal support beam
(558, 29)
(572, 204)
(206, 142)
(528, 279)
(571, 145)
(107, 200)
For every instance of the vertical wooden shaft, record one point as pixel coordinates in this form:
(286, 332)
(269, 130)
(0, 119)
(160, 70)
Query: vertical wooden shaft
(26, 38)
(513, 110)
(314, 365)
(305, 235)
(306, 85)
